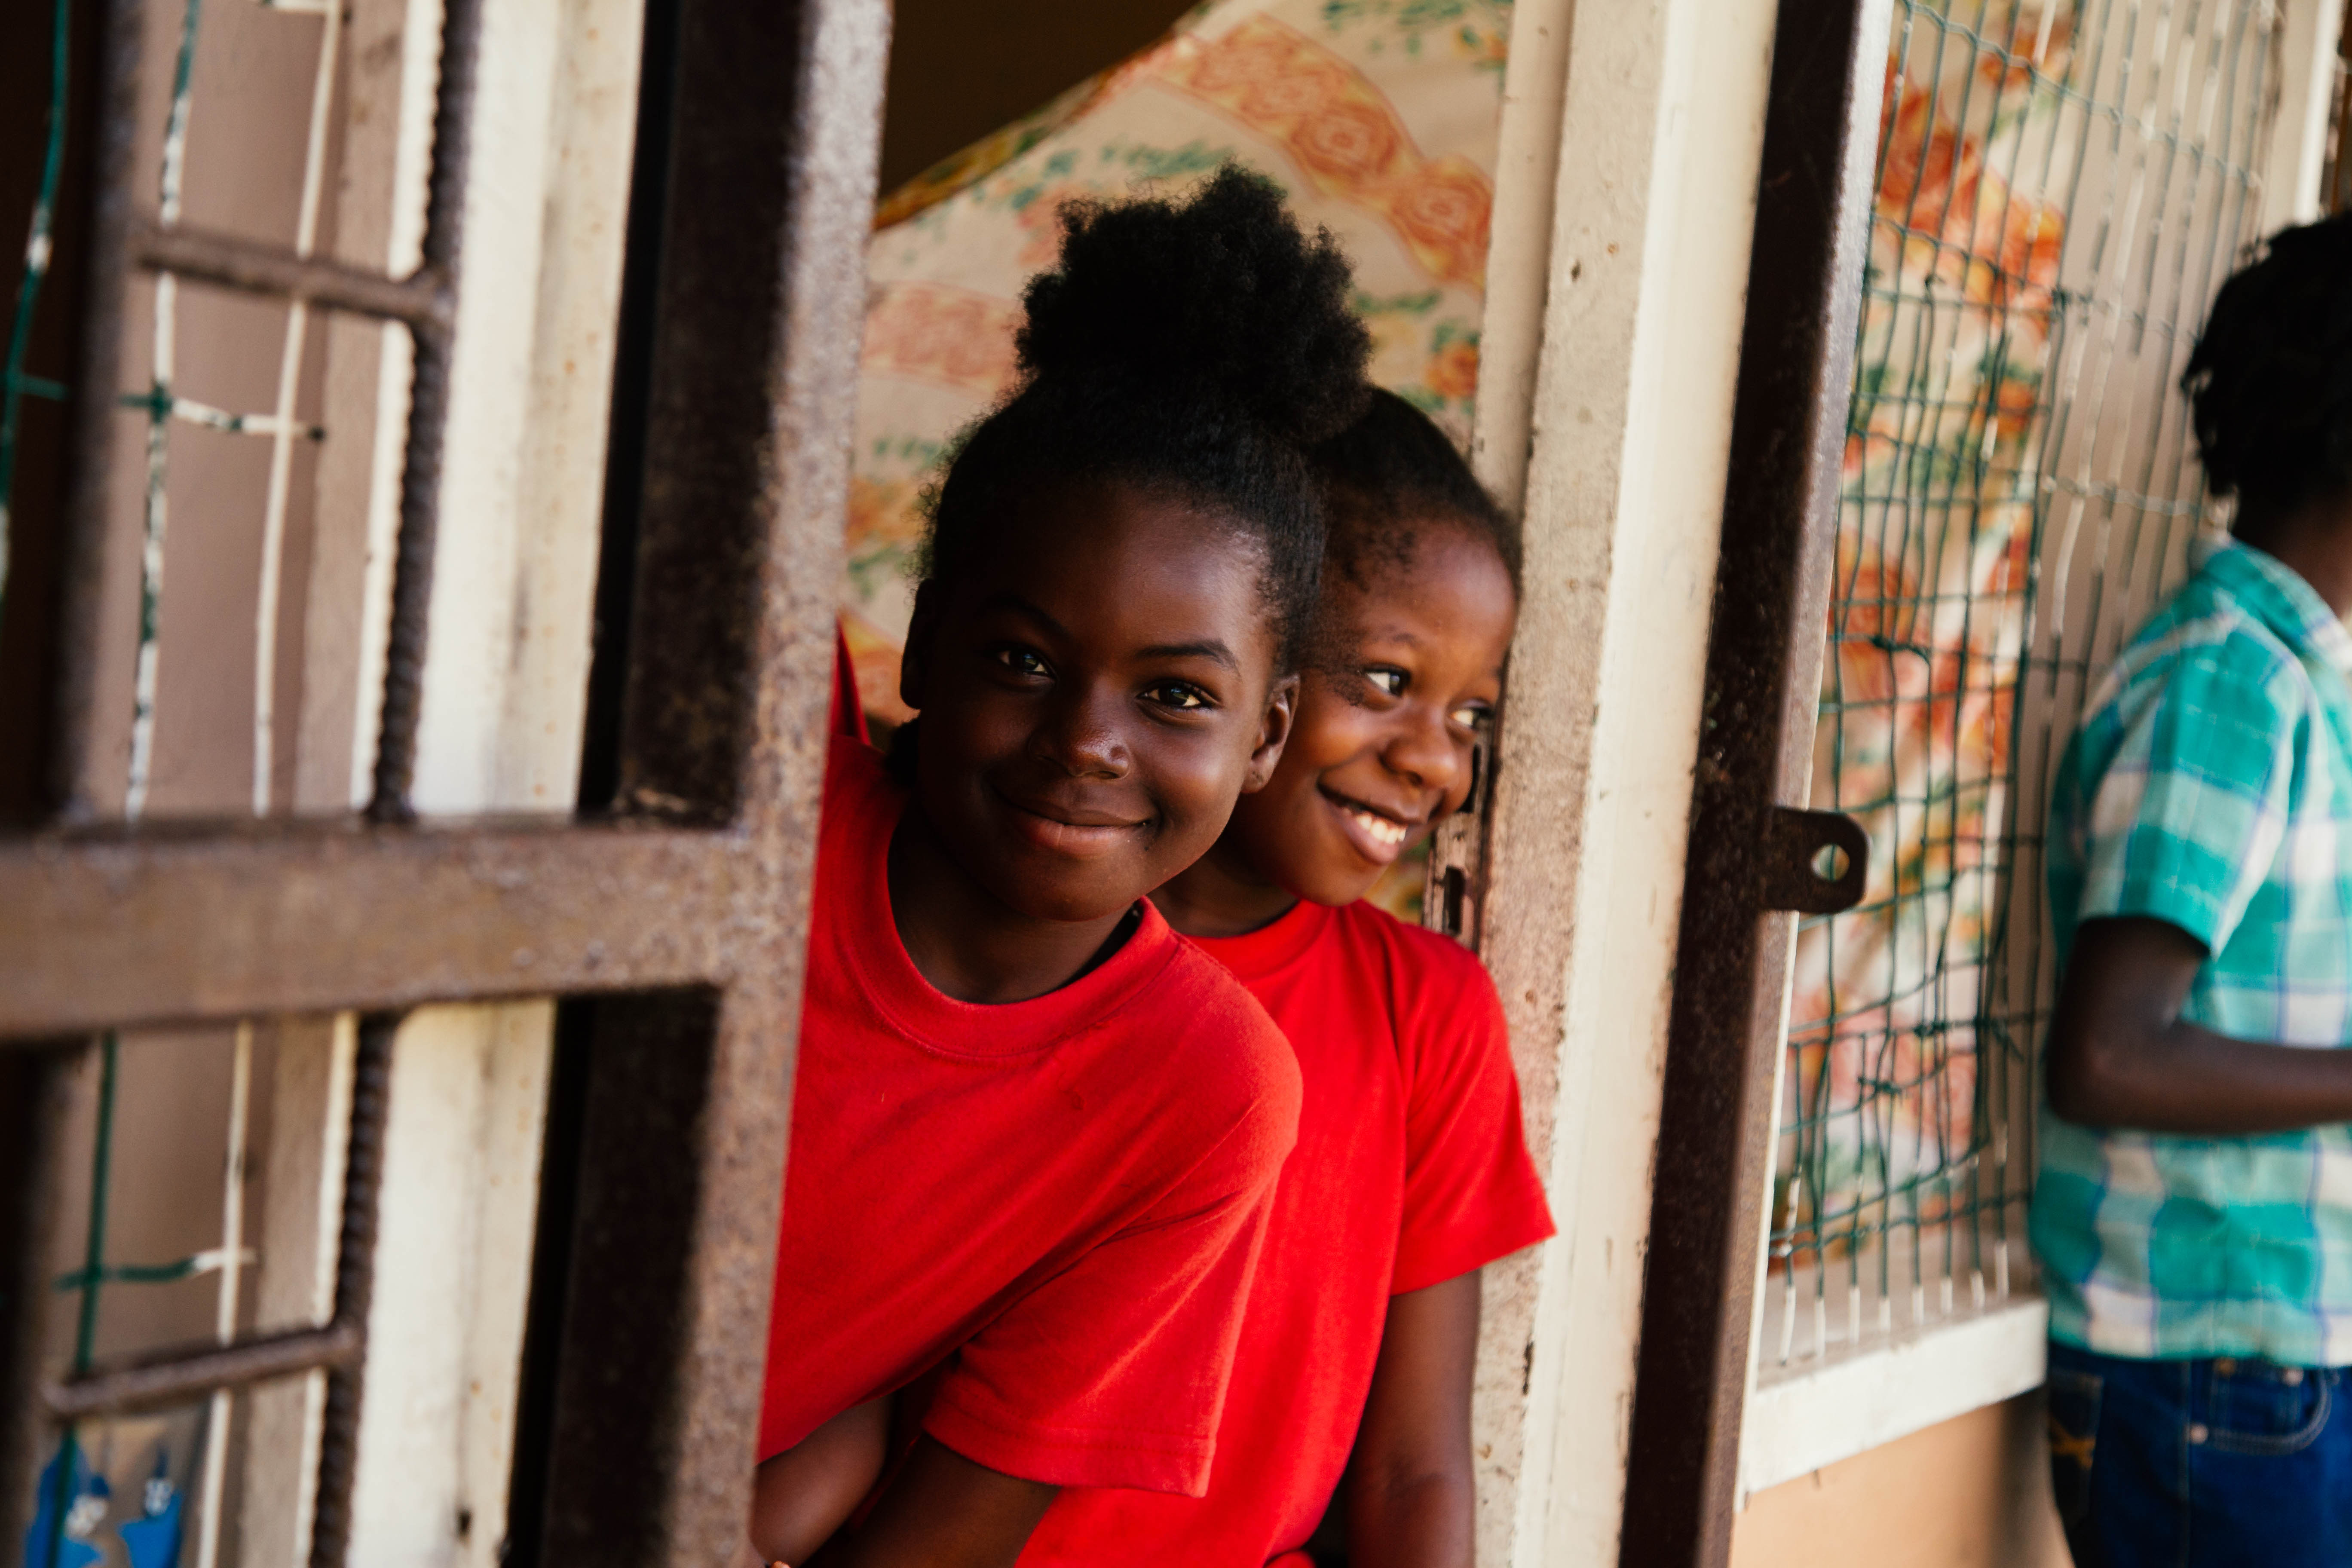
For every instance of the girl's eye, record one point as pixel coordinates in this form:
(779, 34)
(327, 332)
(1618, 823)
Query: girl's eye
(1470, 715)
(1178, 694)
(1389, 681)
(1021, 660)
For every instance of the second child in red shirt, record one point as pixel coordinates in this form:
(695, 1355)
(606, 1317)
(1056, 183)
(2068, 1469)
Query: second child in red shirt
(1411, 1170)
(1034, 1133)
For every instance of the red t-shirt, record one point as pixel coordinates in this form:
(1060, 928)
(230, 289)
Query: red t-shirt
(1065, 1195)
(1411, 1169)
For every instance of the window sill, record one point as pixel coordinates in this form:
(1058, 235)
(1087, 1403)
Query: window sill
(1796, 1425)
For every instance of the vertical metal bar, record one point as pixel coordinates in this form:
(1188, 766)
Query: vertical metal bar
(331, 1527)
(36, 1086)
(2336, 195)
(90, 460)
(428, 414)
(753, 379)
(754, 369)
(1764, 651)
(35, 1103)
(615, 1424)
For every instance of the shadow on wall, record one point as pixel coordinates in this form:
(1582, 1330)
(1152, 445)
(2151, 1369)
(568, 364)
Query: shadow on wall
(959, 70)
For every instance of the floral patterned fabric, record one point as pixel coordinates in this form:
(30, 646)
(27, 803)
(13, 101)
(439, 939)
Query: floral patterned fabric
(1376, 117)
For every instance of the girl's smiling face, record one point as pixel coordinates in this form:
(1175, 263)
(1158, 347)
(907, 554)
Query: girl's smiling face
(1094, 696)
(1410, 660)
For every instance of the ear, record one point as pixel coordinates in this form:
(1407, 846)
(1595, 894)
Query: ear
(1273, 733)
(915, 663)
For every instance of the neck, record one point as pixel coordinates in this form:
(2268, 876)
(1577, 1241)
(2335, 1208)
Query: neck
(2314, 539)
(970, 945)
(1222, 894)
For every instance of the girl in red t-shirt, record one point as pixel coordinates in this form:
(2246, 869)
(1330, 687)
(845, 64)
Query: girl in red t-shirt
(1034, 1133)
(1411, 1171)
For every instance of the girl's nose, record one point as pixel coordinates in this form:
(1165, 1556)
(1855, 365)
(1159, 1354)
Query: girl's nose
(1424, 753)
(1080, 736)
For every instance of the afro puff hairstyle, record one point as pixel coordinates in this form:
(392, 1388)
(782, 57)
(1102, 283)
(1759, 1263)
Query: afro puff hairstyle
(1391, 471)
(2272, 374)
(1194, 349)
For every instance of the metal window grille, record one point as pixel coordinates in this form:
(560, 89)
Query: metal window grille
(161, 407)
(685, 916)
(2060, 188)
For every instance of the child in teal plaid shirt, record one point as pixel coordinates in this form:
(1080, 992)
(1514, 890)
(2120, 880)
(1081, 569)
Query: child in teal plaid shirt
(2194, 1210)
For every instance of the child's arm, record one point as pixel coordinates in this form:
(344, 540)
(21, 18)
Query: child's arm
(804, 1494)
(942, 1510)
(2120, 1054)
(1411, 1498)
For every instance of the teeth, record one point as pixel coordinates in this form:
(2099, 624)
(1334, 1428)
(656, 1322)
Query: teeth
(1379, 828)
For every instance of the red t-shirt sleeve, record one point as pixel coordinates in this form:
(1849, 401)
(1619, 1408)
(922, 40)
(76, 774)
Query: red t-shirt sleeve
(1113, 1372)
(1471, 1193)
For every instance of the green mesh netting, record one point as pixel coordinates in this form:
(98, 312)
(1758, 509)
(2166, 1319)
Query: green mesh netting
(2061, 186)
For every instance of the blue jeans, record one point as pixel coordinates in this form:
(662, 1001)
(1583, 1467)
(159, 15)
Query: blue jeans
(2200, 1464)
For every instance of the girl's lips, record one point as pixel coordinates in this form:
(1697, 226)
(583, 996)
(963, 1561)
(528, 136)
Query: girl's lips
(1377, 839)
(1079, 840)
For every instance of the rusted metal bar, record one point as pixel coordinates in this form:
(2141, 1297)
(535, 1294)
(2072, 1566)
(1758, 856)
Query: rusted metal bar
(428, 415)
(339, 1437)
(90, 463)
(1764, 651)
(747, 472)
(422, 300)
(617, 1384)
(306, 916)
(753, 382)
(176, 1377)
(35, 1112)
(36, 1085)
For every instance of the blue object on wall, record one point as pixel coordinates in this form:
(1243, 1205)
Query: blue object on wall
(53, 1542)
(153, 1540)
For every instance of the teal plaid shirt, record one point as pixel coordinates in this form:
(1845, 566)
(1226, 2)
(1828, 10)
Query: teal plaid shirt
(2211, 785)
